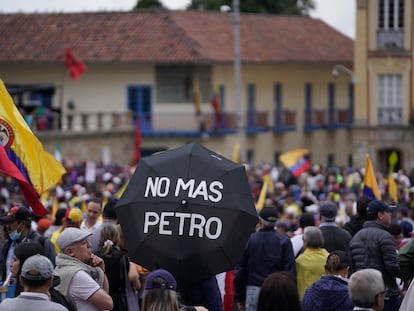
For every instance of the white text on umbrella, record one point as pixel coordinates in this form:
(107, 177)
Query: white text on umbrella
(160, 187)
(187, 221)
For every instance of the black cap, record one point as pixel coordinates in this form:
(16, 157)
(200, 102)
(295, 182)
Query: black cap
(376, 206)
(328, 210)
(17, 213)
(269, 214)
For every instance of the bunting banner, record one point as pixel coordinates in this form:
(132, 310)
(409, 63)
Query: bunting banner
(75, 66)
(370, 189)
(296, 161)
(39, 168)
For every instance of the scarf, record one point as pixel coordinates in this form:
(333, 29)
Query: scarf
(67, 266)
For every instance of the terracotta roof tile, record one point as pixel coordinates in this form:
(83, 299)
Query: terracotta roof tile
(168, 37)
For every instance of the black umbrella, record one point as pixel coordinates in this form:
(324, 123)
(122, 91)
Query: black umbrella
(188, 210)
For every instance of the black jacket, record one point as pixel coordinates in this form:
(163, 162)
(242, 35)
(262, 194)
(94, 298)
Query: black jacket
(267, 251)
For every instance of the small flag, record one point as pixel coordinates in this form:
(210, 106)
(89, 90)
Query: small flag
(236, 152)
(268, 180)
(58, 151)
(137, 141)
(370, 189)
(392, 187)
(262, 196)
(197, 96)
(296, 161)
(75, 66)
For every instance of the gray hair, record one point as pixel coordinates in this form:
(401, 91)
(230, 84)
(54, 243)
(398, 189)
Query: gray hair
(364, 285)
(313, 237)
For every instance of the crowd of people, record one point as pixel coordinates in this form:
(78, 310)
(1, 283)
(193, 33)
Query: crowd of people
(320, 244)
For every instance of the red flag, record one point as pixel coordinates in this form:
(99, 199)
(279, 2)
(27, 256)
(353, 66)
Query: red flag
(215, 102)
(9, 168)
(138, 142)
(74, 65)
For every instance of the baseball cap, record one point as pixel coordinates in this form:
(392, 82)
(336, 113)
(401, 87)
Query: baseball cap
(376, 206)
(269, 214)
(37, 267)
(160, 279)
(70, 236)
(44, 223)
(17, 213)
(73, 215)
(328, 210)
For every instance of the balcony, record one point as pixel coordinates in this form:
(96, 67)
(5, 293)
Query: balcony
(256, 122)
(317, 119)
(284, 121)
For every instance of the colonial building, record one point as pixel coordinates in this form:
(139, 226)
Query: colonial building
(147, 65)
(384, 99)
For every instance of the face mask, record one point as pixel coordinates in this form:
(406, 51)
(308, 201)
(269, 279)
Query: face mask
(15, 235)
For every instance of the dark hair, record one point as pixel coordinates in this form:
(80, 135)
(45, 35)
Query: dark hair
(60, 214)
(279, 289)
(34, 283)
(361, 206)
(395, 229)
(109, 209)
(306, 220)
(22, 252)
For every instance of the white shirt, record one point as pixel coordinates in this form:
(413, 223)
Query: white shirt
(81, 288)
(83, 225)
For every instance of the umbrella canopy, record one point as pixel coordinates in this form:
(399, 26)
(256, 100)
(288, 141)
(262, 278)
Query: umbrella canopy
(189, 211)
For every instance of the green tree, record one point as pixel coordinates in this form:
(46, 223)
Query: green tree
(147, 4)
(290, 7)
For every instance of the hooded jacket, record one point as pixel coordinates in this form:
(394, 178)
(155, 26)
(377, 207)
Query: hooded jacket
(329, 293)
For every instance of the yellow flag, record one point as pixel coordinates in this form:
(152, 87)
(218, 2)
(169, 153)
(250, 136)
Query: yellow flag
(371, 189)
(262, 197)
(236, 152)
(392, 187)
(268, 180)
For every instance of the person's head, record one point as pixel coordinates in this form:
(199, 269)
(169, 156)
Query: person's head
(361, 206)
(313, 237)
(109, 210)
(366, 289)
(379, 211)
(74, 242)
(396, 231)
(337, 263)
(73, 218)
(160, 292)
(21, 253)
(109, 237)
(306, 220)
(279, 289)
(328, 211)
(268, 216)
(42, 225)
(37, 273)
(17, 222)
(59, 216)
(407, 228)
(93, 210)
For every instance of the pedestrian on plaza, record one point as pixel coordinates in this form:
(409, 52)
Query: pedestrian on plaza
(93, 213)
(305, 220)
(36, 278)
(82, 273)
(330, 292)
(310, 264)
(336, 239)
(367, 290)
(73, 218)
(266, 251)
(279, 292)
(357, 221)
(374, 247)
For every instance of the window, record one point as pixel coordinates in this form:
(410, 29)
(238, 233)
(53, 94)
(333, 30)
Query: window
(175, 83)
(391, 14)
(390, 99)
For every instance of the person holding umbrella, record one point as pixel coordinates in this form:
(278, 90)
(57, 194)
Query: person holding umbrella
(267, 251)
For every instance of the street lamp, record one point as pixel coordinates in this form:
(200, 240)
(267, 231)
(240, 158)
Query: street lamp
(337, 68)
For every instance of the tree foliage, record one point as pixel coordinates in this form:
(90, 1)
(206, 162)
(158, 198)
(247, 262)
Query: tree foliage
(290, 7)
(147, 4)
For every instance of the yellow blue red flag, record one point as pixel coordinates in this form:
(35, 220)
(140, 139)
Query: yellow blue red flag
(370, 189)
(24, 150)
(296, 161)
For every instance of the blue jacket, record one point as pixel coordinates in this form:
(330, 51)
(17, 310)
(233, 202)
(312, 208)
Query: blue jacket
(266, 251)
(329, 293)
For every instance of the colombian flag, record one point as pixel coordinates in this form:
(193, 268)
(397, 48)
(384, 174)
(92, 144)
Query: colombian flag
(39, 168)
(371, 189)
(296, 161)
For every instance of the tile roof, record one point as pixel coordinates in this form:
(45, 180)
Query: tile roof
(168, 37)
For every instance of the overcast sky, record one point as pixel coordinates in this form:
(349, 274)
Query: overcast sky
(337, 13)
